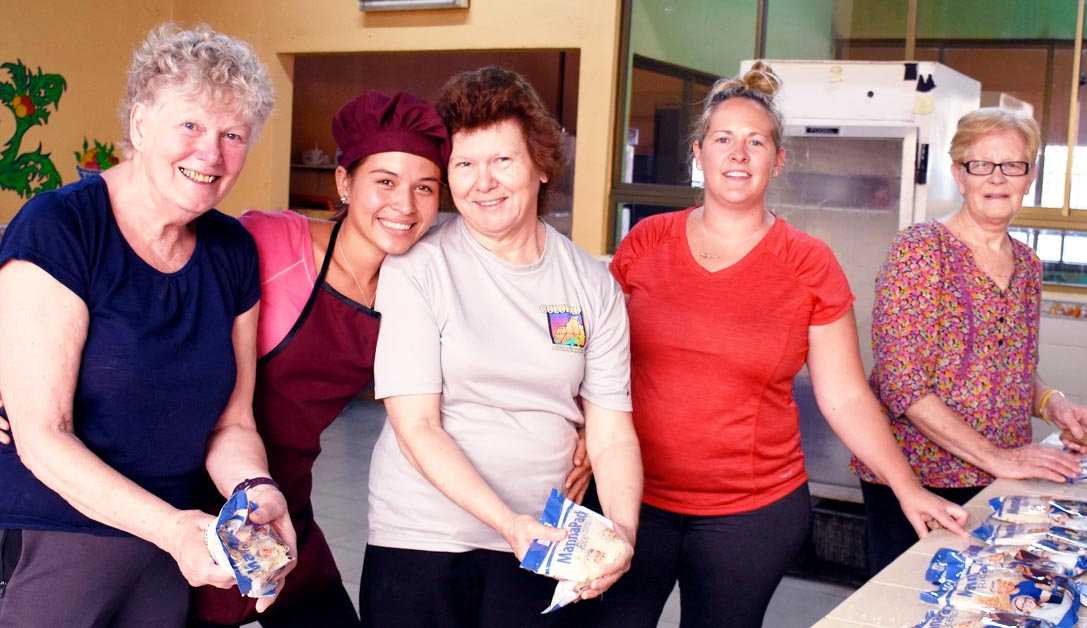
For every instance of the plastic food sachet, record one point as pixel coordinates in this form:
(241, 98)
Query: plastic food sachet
(590, 545)
(951, 617)
(253, 553)
(1033, 509)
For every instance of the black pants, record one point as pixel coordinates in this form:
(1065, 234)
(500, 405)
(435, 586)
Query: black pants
(727, 567)
(477, 589)
(81, 580)
(328, 608)
(889, 531)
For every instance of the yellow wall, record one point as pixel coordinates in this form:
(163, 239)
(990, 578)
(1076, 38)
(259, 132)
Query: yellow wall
(279, 29)
(90, 44)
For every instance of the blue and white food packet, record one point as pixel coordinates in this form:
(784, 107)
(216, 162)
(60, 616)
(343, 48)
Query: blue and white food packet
(951, 617)
(996, 532)
(253, 553)
(591, 544)
(1035, 509)
(989, 589)
(950, 564)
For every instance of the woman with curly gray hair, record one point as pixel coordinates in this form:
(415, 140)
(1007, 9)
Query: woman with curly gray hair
(127, 353)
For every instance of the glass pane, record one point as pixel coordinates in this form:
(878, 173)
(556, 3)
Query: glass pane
(662, 106)
(1075, 249)
(1023, 235)
(1048, 246)
(1063, 253)
(677, 50)
(629, 214)
(995, 19)
(1055, 155)
(866, 30)
(840, 173)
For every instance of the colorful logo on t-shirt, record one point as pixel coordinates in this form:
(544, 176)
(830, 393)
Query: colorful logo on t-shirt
(567, 326)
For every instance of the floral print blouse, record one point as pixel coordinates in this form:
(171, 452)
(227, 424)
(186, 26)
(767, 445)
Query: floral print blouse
(940, 325)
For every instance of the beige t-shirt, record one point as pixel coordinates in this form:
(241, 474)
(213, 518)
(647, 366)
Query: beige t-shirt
(510, 348)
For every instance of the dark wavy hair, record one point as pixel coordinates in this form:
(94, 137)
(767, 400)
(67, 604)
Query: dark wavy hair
(481, 98)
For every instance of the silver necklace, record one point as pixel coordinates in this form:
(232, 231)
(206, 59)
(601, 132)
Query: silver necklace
(350, 269)
(702, 233)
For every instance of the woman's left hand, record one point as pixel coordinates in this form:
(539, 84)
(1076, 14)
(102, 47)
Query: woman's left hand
(927, 511)
(272, 509)
(613, 571)
(577, 481)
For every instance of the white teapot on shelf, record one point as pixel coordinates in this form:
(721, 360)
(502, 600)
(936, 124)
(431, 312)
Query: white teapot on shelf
(315, 157)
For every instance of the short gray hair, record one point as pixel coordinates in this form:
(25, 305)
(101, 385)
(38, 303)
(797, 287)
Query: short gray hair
(198, 62)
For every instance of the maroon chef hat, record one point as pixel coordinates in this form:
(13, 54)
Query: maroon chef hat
(377, 123)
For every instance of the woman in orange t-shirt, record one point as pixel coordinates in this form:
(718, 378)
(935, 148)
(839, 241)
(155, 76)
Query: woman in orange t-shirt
(727, 302)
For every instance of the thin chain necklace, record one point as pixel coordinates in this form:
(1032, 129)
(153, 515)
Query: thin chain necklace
(347, 265)
(702, 234)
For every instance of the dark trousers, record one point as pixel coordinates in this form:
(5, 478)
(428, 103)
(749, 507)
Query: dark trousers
(889, 531)
(329, 608)
(727, 567)
(85, 581)
(477, 589)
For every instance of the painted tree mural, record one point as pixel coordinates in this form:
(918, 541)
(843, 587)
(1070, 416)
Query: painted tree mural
(29, 96)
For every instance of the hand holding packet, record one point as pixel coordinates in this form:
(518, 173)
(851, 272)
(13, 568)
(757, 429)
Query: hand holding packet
(590, 546)
(253, 553)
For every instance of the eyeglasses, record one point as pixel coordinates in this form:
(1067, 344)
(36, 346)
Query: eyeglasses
(1009, 168)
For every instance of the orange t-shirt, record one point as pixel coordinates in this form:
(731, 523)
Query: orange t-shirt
(713, 356)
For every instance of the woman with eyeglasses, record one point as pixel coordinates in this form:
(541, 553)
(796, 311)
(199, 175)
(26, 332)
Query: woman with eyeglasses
(955, 337)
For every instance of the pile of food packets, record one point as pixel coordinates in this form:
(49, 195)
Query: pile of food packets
(591, 545)
(1026, 576)
(252, 553)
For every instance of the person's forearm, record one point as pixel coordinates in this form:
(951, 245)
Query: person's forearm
(618, 470)
(235, 453)
(441, 461)
(64, 464)
(865, 431)
(943, 426)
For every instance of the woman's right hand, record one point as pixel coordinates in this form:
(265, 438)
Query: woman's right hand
(520, 530)
(187, 546)
(615, 570)
(1034, 461)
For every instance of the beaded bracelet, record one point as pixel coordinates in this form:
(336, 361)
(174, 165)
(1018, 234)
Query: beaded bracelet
(1041, 404)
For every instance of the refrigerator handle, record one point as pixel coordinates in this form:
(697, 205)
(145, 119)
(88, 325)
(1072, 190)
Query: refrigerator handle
(920, 175)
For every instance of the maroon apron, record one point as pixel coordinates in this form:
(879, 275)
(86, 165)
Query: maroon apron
(303, 384)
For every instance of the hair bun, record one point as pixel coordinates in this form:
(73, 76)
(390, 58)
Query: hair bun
(760, 78)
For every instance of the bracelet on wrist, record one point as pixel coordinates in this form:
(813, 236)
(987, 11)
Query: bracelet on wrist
(1041, 404)
(251, 482)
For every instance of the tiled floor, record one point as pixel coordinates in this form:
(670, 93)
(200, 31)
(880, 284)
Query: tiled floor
(340, 503)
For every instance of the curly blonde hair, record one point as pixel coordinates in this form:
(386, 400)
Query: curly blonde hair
(198, 63)
(759, 84)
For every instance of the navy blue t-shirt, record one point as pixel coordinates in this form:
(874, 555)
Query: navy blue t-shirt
(158, 364)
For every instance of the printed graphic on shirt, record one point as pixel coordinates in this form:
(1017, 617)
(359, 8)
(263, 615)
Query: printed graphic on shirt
(567, 326)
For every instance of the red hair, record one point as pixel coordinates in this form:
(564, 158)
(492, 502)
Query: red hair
(485, 97)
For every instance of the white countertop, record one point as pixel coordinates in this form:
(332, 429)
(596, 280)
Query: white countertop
(891, 599)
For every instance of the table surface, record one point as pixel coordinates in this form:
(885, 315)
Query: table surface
(891, 599)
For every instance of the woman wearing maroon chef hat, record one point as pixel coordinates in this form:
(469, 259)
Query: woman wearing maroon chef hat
(318, 329)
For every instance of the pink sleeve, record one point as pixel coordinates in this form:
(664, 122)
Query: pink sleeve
(287, 272)
(905, 318)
